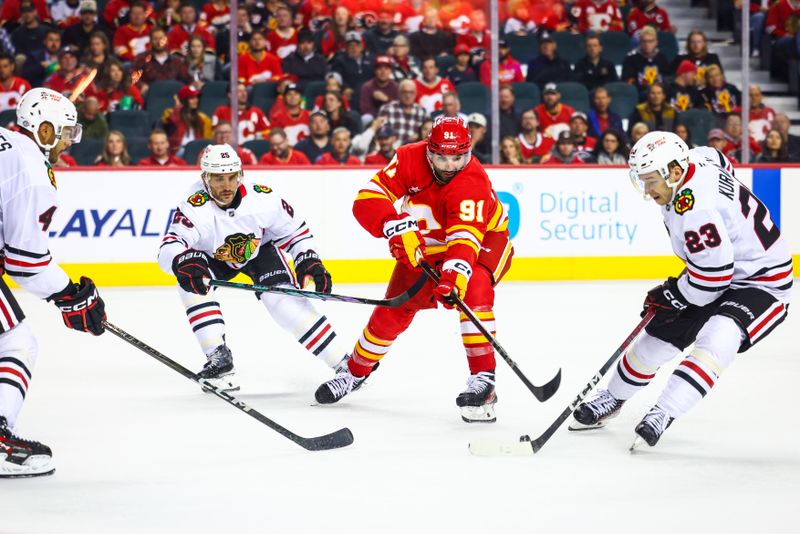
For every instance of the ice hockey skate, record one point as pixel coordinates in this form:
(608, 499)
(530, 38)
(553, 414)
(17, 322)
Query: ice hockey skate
(651, 428)
(337, 387)
(478, 400)
(21, 457)
(218, 371)
(596, 412)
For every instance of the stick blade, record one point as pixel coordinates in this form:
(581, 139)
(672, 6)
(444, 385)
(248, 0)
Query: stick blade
(335, 440)
(548, 390)
(492, 448)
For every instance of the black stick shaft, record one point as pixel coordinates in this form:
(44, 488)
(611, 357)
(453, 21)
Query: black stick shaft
(542, 393)
(340, 438)
(539, 442)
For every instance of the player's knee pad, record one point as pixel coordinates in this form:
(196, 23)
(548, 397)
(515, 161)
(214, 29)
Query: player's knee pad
(720, 339)
(480, 292)
(287, 310)
(18, 351)
(651, 352)
(388, 323)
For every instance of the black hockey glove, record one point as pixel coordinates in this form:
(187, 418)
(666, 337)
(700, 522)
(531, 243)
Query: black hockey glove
(308, 264)
(667, 299)
(191, 270)
(81, 306)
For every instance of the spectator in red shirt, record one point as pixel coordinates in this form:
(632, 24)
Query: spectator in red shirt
(291, 117)
(69, 74)
(378, 91)
(532, 143)
(597, 16)
(185, 122)
(431, 87)
(477, 36)
(333, 39)
(11, 87)
(133, 38)
(648, 14)
(283, 39)
(114, 86)
(158, 64)
(761, 115)
(553, 116)
(252, 122)
(386, 139)
(178, 36)
(223, 135)
(579, 128)
(65, 13)
(11, 12)
(280, 152)
(116, 12)
(340, 150)
(216, 14)
(160, 155)
(509, 71)
(115, 151)
(258, 64)
(781, 25)
(734, 134)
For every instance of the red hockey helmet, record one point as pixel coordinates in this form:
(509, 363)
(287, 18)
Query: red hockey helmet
(449, 147)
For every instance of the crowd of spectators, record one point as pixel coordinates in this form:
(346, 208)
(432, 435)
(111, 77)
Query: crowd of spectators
(349, 82)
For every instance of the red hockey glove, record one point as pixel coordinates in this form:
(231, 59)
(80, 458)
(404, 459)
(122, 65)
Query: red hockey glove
(191, 270)
(405, 241)
(453, 282)
(308, 265)
(81, 307)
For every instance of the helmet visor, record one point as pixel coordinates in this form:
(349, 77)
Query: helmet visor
(72, 134)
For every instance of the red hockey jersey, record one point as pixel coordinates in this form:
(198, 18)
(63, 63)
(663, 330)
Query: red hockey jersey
(600, 16)
(549, 124)
(129, 41)
(9, 96)
(430, 96)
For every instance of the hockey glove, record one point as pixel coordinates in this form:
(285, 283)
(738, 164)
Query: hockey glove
(81, 307)
(452, 283)
(191, 270)
(667, 299)
(308, 265)
(405, 241)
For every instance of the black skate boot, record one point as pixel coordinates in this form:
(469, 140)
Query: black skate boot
(218, 371)
(478, 400)
(337, 387)
(652, 426)
(21, 457)
(595, 413)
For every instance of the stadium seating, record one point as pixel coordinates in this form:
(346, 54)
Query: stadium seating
(258, 146)
(526, 95)
(8, 118)
(355, 116)
(263, 95)
(575, 94)
(624, 98)
(130, 122)
(213, 95)
(616, 45)
(444, 63)
(86, 152)
(161, 96)
(699, 122)
(570, 46)
(312, 91)
(474, 97)
(192, 150)
(137, 148)
(523, 48)
(668, 44)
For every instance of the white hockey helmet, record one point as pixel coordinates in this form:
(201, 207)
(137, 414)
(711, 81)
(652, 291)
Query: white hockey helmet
(656, 151)
(42, 105)
(220, 159)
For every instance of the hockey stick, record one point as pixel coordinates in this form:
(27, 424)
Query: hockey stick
(393, 302)
(341, 438)
(526, 447)
(542, 393)
(83, 84)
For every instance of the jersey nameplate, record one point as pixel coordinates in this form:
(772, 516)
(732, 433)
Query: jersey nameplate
(237, 248)
(684, 202)
(258, 188)
(198, 199)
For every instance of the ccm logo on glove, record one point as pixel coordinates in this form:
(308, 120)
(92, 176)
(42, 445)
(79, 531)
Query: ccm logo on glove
(402, 226)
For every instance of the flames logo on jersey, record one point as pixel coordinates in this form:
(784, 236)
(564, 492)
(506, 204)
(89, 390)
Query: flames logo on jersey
(51, 175)
(238, 248)
(198, 199)
(684, 202)
(258, 188)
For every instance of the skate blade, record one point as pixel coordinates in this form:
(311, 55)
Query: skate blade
(478, 414)
(35, 466)
(636, 443)
(224, 383)
(493, 448)
(577, 426)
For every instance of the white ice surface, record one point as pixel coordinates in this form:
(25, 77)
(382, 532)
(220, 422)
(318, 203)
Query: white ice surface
(139, 448)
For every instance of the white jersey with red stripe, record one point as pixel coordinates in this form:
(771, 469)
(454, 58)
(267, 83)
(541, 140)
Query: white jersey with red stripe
(710, 154)
(724, 234)
(28, 201)
(234, 234)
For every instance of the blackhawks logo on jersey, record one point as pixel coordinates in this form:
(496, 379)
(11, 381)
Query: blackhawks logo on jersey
(51, 175)
(684, 202)
(258, 188)
(198, 199)
(238, 248)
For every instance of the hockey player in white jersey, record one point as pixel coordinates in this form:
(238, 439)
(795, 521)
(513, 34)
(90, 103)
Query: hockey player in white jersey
(225, 226)
(28, 200)
(733, 292)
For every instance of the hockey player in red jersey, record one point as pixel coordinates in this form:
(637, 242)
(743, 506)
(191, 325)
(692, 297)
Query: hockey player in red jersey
(733, 292)
(48, 125)
(451, 218)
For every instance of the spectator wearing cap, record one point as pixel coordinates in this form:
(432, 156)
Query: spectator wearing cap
(451, 107)
(592, 70)
(722, 98)
(185, 122)
(160, 153)
(509, 115)
(477, 36)
(579, 128)
(386, 139)
(481, 145)
(222, 134)
(761, 115)
(717, 139)
(244, 29)
(682, 92)
(340, 150)
(202, 63)
(405, 65)
(334, 39)
(259, 64)
(319, 141)
(597, 16)
(69, 74)
(553, 115)
(93, 124)
(11, 87)
(355, 66)
(157, 64)
(647, 15)
(216, 14)
(133, 38)
(404, 115)
(461, 70)
(13, 13)
(431, 87)
(380, 90)
(697, 53)
(548, 66)
(647, 65)
(115, 88)
(283, 39)
(533, 144)
(601, 118)
(509, 69)
(252, 122)
(178, 35)
(430, 40)
(380, 37)
(291, 117)
(79, 33)
(65, 12)
(564, 151)
(304, 63)
(655, 112)
(280, 152)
